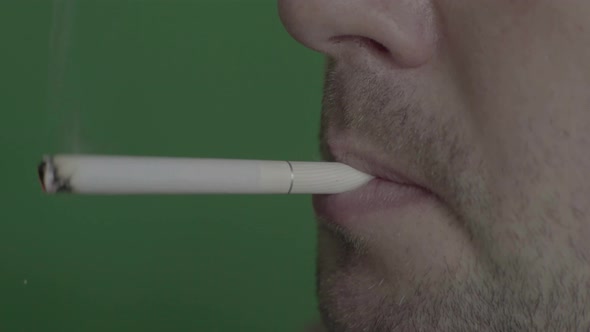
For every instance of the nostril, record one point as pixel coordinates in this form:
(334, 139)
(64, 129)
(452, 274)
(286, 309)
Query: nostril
(364, 42)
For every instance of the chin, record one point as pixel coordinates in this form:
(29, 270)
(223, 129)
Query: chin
(387, 279)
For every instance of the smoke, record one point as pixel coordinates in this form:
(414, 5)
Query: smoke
(63, 117)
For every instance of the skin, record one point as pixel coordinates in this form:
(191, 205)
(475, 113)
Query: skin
(488, 102)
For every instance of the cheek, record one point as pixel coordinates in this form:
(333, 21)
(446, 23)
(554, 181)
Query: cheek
(579, 212)
(527, 82)
(541, 195)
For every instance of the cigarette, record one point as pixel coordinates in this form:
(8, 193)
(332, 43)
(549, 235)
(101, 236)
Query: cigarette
(125, 175)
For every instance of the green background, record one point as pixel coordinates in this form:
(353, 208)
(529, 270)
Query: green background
(175, 78)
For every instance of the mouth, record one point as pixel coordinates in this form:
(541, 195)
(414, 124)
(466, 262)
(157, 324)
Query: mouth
(392, 191)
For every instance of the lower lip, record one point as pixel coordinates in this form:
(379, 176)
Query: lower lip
(377, 195)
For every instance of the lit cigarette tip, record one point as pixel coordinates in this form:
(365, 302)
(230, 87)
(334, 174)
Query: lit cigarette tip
(41, 173)
(51, 182)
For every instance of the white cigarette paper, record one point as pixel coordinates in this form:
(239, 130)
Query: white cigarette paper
(112, 175)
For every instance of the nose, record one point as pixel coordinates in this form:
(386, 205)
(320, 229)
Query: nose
(400, 30)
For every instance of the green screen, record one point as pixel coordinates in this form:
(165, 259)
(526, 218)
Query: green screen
(218, 79)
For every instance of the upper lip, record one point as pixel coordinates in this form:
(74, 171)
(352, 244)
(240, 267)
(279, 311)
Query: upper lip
(370, 159)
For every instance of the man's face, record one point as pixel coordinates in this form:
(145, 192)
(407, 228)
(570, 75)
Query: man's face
(477, 116)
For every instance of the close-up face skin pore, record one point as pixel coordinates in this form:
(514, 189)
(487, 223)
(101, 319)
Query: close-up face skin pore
(475, 118)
